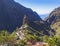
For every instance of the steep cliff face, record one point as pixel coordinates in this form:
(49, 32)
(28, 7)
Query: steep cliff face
(54, 16)
(54, 20)
(12, 13)
(42, 27)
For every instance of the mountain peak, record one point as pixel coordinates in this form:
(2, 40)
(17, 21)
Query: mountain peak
(56, 11)
(12, 13)
(54, 16)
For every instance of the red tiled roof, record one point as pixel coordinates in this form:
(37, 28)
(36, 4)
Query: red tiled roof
(36, 43)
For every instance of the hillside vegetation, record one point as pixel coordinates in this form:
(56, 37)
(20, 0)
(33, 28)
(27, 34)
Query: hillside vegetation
(56, 27)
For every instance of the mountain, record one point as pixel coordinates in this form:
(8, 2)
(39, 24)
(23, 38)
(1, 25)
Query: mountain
(54, 20)
(42, 27)
(12, 13)
(54, 16)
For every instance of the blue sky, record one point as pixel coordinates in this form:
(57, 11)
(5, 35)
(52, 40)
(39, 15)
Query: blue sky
(40, 6)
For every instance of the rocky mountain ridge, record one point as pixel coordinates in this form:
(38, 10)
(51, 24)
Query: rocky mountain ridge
(12, 13)
(54, 16)
(54, 20)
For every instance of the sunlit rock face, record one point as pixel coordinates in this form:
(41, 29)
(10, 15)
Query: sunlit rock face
(54, 20)
(54, 16)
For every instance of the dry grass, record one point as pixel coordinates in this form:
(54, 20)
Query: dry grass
(56, 27)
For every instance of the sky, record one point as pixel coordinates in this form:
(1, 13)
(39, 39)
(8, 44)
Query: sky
(40, 6)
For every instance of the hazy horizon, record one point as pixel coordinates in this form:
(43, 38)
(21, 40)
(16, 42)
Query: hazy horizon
(40, 6)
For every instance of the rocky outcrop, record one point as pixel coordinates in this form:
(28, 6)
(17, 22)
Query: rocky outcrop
(54, 16)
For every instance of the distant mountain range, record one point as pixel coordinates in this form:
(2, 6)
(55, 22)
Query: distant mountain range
(12, 13)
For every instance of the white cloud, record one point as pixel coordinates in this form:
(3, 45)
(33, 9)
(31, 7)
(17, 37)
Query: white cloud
(42, 10)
